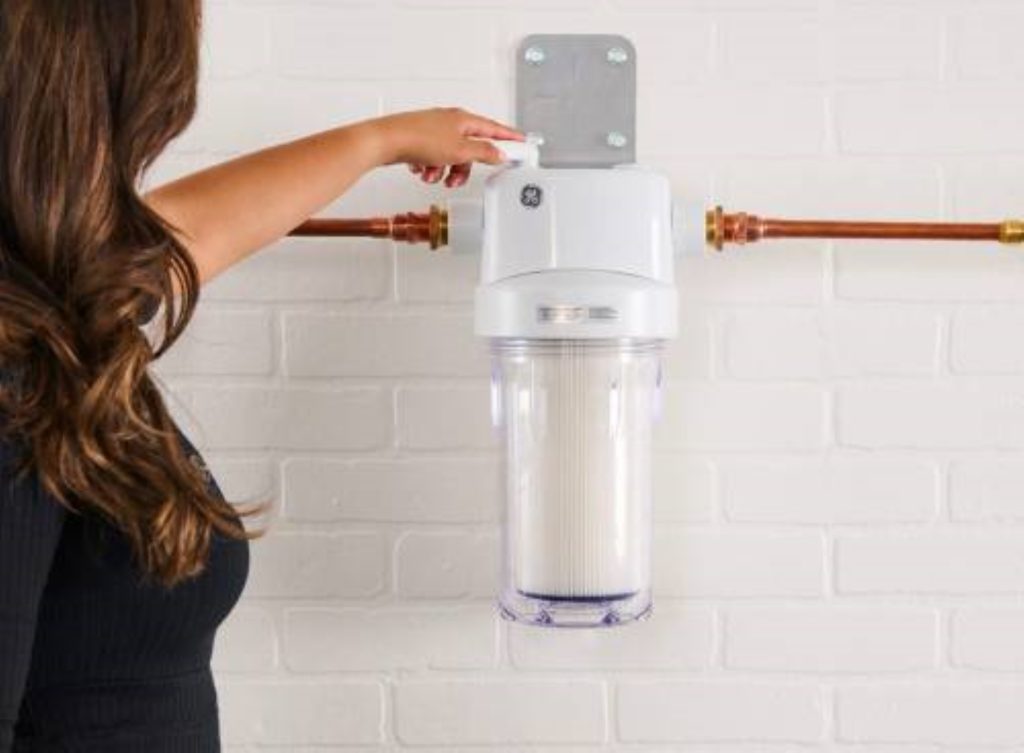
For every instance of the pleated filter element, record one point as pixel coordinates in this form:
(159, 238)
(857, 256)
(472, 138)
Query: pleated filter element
(576, 419)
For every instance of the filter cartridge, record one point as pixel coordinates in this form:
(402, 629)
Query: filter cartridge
(576, 418)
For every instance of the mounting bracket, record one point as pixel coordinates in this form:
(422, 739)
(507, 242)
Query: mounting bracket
(577, 92)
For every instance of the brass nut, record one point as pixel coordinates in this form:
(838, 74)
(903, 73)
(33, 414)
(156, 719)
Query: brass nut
(1011, 232)
(438, 227)
(714, 228)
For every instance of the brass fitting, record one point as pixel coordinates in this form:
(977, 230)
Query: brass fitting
(438, 226)
(1011, 232)
(714, 228)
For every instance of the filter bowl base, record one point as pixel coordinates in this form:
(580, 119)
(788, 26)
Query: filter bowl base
(576, 611)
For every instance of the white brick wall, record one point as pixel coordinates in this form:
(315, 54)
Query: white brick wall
(840, 473)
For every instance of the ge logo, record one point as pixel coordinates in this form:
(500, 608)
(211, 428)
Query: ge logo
(531, 195)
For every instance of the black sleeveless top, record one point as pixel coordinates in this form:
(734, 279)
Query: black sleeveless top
(93, 657)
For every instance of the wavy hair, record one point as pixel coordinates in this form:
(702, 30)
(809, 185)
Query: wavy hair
(91, 91)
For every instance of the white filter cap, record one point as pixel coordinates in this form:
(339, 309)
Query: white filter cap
(577, 254)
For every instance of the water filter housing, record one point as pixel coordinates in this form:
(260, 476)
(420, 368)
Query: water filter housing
(577, 296)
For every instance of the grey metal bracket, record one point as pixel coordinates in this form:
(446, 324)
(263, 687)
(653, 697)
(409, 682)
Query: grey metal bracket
(578, 93)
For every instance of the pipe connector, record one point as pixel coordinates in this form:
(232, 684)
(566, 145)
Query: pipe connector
(1011, 232)
(417, 227)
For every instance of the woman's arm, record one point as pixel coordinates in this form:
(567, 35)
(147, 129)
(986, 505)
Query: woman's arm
(226, 212)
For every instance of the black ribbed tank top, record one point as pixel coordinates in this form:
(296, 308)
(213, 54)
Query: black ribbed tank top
(93, 656)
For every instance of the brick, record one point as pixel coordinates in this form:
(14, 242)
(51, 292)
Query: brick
(331, 640)
(769, 344)
(692, 5)
(810, 343)
(675, 638)
(727, 417)
(309, 269)
(522, 5)
(690, 354)
(986, 187)
(982, 42)
(867, 270)
(987, 490)
(221, 341)
(772, 47)
(832, 492)
(302, 565)
(964, 562)
(292, 418)
(873, 188)
(448, 418)
(887, 43)
(273, 114)
(972, 415)
(291, 713)
(499, 712)
(732, 565)
(883, 341)
(988, 638)
(319, 344)
(361, 44)
(967, 714)
(790, 120)
(927, 118)
(235, 41)
(792, 273)
(245, 480)
(684, 489)
(986, 341)
(438, 490)
(438, 278)
(700, 711)
(446, 565)
(476, 95)
(831, 639)
(246, 642)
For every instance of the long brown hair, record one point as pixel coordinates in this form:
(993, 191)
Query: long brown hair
(91, 91)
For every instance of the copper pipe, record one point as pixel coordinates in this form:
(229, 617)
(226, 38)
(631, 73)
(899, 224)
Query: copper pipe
(409, 227)
(740, 228)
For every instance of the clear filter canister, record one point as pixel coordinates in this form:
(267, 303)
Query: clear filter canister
(575, 418)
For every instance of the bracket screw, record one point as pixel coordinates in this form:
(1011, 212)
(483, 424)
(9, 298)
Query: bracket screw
(534, 55)
(616, 140)
(617, 56)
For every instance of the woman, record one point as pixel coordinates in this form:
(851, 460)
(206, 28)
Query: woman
(118, 555)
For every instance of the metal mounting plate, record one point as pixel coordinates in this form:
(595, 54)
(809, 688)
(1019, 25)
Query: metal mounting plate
(578, 92)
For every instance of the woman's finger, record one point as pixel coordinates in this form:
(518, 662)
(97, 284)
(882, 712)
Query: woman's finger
(481, 150)
(458, 175)
(416, 169)
(486, 128)
(432, 173)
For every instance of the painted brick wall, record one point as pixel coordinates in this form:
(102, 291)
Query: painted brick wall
(840, 497)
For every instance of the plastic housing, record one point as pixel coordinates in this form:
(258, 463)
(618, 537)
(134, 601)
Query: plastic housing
(577, 295)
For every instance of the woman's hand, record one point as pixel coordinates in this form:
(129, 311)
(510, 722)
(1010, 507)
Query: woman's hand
(441, 140)
(224, 213)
